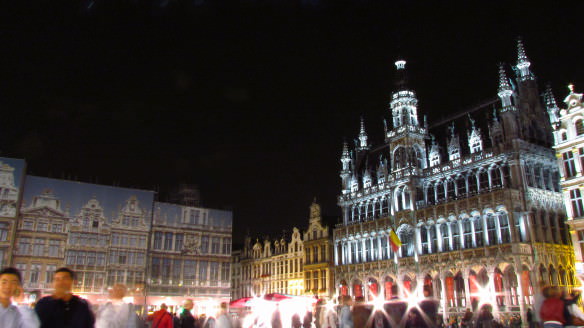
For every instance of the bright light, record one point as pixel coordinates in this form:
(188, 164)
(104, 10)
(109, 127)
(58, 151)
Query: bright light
(400, 64)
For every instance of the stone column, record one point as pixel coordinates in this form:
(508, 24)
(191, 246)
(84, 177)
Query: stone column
(522, 305)
(485, 230)
(379, 249)
(465, 277)
(336, 250)
(439, 237)
(444, 298)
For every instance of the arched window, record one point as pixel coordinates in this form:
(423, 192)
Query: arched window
(496, 180)
(478, 227)
(369, 210)
(579, 127)
(456, 242)
(430, 194)
(461, 185)
(484, 180)
(433, 239)
(424, 239)
(440, 191)
(504, 228)
(399, 158)
(450, 189)
(445, 237)
(467, 233)
(472, 183)
(492, 230)
(406, 235)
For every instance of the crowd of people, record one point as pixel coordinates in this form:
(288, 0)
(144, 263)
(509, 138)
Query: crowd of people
(552, 309)
(63, 309)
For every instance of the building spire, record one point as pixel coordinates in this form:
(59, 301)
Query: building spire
(363, 136)
(551, 106)
(523, 63)
(505, 90)
(400, 77)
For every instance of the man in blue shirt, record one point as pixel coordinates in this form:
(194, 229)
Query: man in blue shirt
(10, 314)
(63, 309)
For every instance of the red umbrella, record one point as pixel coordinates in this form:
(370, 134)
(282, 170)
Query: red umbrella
(242, 302)
(275, 297)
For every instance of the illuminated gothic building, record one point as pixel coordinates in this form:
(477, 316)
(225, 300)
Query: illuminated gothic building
(569, 144)
(481, 221)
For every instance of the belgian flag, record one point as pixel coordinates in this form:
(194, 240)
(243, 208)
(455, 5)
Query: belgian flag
(394, 241)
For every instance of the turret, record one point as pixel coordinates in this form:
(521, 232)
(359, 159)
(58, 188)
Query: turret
(522, 67)
(403, 101)
(552, 107)
(346, 170)
(362, 137)
(434, 156)
(453, 145)
(505, 91)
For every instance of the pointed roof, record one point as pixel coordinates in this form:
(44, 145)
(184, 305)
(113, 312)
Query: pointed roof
(550, 100)
(503, 80)
(521, 56)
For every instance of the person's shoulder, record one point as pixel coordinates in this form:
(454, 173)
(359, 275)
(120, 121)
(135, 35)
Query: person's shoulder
(45, 301)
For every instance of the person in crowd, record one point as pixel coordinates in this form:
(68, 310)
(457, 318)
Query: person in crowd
(307, 320)
(572, 313)
(63, 309)
(428, 309)
(319, 313)
(466, 321)
(296, 323)
(396, 309)
(330, 317)
(277, 317)
(345, 317)
(552, 309)
(485, 318)
(361, 313)
(186, 318)
(530, 318)
(116, 313)
(223, 318)
(161, 318)
(12, 315)
(538, 299)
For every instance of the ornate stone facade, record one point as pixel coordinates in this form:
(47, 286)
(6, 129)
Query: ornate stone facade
(569, 144)
(483, 221)
(318, 257)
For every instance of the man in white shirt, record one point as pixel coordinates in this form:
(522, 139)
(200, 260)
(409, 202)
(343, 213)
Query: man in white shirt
(116, 313)
(12, 315)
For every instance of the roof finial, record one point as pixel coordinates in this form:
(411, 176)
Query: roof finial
(503, 80)
(521, 56)
(362, 136)
(523, 62)
(571, 88)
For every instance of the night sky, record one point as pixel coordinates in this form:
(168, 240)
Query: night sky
(251, 100)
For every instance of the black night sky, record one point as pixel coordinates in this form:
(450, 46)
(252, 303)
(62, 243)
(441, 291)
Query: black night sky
(251, 99)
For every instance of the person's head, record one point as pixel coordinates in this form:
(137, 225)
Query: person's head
(394, 290)
(224, 306)
(63, 280)
(10, 282)
(575, 294)
(360, 299)
(163, 306)
(347, 300)
(427, 291)
(551, 292)
(118, 291)
(188, 304)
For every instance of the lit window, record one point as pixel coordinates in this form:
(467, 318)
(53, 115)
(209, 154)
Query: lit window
(569, 167)
(576, 200)
(579, 127)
